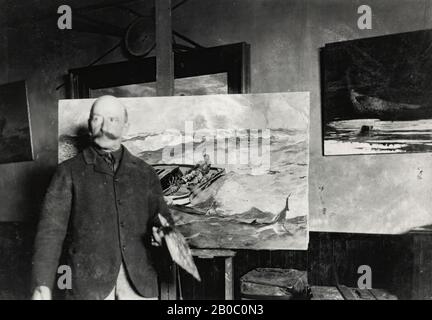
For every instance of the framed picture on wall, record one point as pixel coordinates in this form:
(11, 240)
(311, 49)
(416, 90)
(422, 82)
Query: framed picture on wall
(377, 94)
(15, 131)
(217, 70)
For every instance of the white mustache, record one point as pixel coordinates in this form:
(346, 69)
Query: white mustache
(106, 134)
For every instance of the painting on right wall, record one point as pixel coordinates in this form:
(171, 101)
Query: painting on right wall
(377, 94)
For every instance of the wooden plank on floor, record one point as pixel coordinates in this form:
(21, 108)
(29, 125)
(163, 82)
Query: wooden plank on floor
(347, 293)
(381, 294)
(363, 294)
(325, 293)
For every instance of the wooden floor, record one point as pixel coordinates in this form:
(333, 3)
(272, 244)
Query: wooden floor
(333, 293)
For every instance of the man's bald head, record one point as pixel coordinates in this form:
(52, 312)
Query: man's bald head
(109, 101)
(108, 122)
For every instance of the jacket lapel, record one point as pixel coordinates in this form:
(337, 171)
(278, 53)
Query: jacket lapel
(99, 165)
(127, 164)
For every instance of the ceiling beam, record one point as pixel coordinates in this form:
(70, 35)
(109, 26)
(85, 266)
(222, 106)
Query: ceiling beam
(164, 54)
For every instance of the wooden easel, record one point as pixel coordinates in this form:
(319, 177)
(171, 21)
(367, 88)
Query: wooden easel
(229, 266)
(165, 87)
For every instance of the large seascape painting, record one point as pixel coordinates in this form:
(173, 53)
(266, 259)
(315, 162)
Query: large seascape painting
(234, 168)
(377, 95)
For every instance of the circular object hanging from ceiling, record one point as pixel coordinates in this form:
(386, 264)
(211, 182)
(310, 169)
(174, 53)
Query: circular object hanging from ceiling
(140, 37)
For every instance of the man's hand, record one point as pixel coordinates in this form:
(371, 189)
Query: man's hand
(42, 293)
(158, 234)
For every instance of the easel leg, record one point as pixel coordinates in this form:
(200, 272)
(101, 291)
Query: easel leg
(165, 87)
(169, 286)
(229, 272)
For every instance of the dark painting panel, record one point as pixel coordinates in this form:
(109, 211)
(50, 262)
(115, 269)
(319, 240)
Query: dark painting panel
(377, 94)
(15, 133)
(190, 86)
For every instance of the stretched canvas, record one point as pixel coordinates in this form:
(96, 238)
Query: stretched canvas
(15, 133)
(377, 95)
(234, 168)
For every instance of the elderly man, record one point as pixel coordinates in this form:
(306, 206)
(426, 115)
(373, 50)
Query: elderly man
(100, 216)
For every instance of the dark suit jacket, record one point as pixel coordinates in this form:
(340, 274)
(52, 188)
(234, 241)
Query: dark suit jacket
(97, 218)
